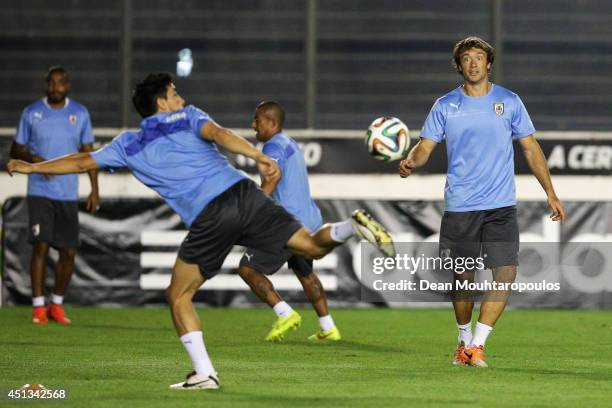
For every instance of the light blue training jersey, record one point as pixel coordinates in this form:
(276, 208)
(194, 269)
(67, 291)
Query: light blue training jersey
(293, 191)
(168, 155)
(51, 133)
(478, 133)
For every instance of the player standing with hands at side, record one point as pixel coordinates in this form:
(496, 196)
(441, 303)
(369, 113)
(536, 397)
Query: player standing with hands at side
(479, 121)
(52, 127)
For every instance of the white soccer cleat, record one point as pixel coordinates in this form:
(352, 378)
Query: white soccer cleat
(371, 230)
(195, 381)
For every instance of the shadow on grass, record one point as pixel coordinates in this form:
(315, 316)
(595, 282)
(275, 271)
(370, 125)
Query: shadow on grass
(582, 375)
(124, 327)
(345, 345)
(341, 401)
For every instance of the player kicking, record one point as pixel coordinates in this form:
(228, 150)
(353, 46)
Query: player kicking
(175, 154)
(290, 189)
(479, 120)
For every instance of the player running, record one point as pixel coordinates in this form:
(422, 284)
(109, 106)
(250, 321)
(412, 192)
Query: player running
(479, 121)
(51, 127)
(290, 189)
(175, 154)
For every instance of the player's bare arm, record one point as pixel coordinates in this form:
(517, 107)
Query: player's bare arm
(268, 185)
(21, 152)
(539, 167)
(72, 163)
(229, 140)
(237, 144)
(417, 157)
(93, 201)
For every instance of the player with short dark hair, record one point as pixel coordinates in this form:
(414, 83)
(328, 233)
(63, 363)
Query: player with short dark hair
(291, 190)
(175, 153)
(51, 127)
(479, 120)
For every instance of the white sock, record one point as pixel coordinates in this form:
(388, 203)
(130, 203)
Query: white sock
(38, 301)
(57, 299)
(326, 323)
(480, 334)
(465, 333)
(341, 231)
(194, 344)
(282, 309)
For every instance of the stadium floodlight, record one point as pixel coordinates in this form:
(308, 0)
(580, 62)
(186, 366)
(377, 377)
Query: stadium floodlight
(185, 63)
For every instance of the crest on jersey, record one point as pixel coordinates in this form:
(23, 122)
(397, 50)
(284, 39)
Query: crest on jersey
(498, 108)
(72, 119)
(38, 115)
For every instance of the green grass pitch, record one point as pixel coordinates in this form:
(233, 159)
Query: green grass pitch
(127, 357)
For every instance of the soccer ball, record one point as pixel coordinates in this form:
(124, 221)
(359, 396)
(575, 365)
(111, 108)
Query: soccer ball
(387, 139)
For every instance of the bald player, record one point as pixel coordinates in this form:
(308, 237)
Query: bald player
(290, 189)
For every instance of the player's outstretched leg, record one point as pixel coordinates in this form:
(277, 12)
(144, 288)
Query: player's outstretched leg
(371, 230)
(329, 236)
(186, 280)
(287, 318)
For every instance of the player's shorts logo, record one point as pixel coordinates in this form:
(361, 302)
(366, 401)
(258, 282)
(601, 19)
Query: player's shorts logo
(445, 253)
(72, 119)
(36, 230)
(498, 108)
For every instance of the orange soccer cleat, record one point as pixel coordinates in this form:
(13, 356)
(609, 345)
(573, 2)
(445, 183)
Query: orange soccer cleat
(476, 356)
(461, 359)
(56, 312)
(39, 315)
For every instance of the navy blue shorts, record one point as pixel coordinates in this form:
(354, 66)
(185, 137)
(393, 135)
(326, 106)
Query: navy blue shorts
(269, 263)
(54, 222)
(492, 234)
(241, 215)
